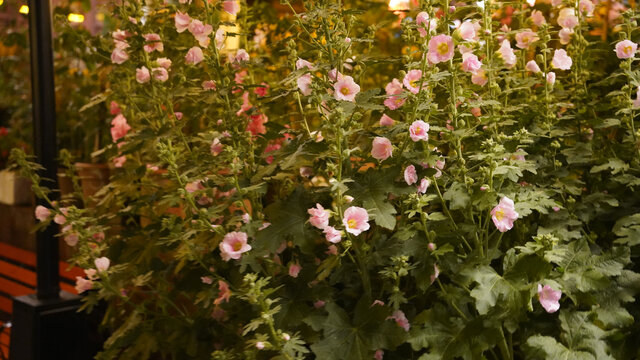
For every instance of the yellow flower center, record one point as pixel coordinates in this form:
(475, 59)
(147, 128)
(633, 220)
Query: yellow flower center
(413, 83)
(628, 49)
(237, 246)
(352, 223)
(344, 91)
(418, 130)
(499, 214)
(443, 48)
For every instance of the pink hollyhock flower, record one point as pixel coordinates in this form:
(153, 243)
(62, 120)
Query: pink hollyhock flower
(394, 102)
(431, 246)
(262, 90)
(143, 75)
(537, 18)
(260, 345)
(256, 125)
(469, 30)
(242, 56)
(304, 84)
(531, 3)
(233, 245)
(381, 148)
(332, 235)
(216, 147)
(561, 60)
(586, 6)
(480, 78)
(194, 186)
(119, 161)
(224, 293)
(209, 85)
(532, 66)
(231, 6)
(119, 35)
(386, 120)
(332, 250)
(83, 284)
(219, 38)
(346, 89)
(201, 32)
(42, 213)
(549, 298)
(319, 304)
(301, 63)
(412, 80)
(440, 49)
(436, 273)
(567, 18)
(379, 354)
(102, 264)
(400, 318)
(153, 43)
(424, 185)
(525, 38)
(355, 220)
(119, 56)
(424, 24)
(334, 74)
(377, 303)
(119, 127)
(394, 87)
(410, 175)
(160, 74)
(507, 54)
(114, 108)
(194, 56)
(419, 131)
(504, 214)
(565, 36)
(182, 21)
(626, 49)
(164, 62)
(294, 270)
(319, 217)
(91, 274)
(470, 63)
(71, 239)
(551, 78)
(476, 111)
(206, 280)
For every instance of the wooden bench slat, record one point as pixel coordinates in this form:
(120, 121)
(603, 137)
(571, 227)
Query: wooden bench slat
(13, 289)
(6, 305)
(28, 258)
(16, 272)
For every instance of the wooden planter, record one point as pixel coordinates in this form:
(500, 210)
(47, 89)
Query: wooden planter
(92, 177)
(14, 190)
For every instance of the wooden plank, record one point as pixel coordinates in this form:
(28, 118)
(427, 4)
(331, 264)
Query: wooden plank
(28, 258)
(14, 289)
(6, 304)
(18, 273)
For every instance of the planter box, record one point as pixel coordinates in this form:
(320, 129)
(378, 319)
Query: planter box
(14, 190)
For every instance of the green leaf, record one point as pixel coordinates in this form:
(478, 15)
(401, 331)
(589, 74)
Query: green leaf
(457, 196)
(546, 347)
(628, 230)
(492, 288)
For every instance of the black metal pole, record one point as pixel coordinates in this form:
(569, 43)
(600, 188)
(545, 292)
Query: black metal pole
(44, 138)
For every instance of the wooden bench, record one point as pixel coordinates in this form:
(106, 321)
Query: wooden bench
(18, 277)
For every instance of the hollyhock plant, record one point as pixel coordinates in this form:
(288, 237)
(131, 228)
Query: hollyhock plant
(470, 63)
(294, 270)
(440, 49)
(424, 24)
(567, 18)
(538, 18)
(551, 78)
(83, 284)
(194, 56)
(386, 120)
(346, 89)
(479, 78)
(401, 319)
(412, 81)
(42, 213)
(410, 175)
(164, 62)
(525, 38)
(301, 64)
(181, 21)
(507, 54)
(549, 298)
(504, 214)
(532, 66)
(626, 49)
(561, 60)
(119, 56)
(231, 6)
(469, 30)
(319, 217)
(119, 127)
(332, 234)
(423, 186)
(200, 32)
(224, 293)
(234, 245)
(304, 84)
(419, 131)
(153, 43)
(143, 75)
(355, 220)
(102, 264)
(381, 148)
(160, 74)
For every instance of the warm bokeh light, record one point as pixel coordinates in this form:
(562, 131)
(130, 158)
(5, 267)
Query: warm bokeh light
(399, 5)
(75, 18)
(24, 9)
(1, 2)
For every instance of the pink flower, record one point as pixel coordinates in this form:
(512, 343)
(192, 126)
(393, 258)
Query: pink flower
(424, 185)
(216, 147)
(423, 22)
(381, 148)
(119, 161)
(561, 60)
(410, 175)
(224, 293)
(586, 6)
(164, 62)
(504, 214)
(319, 304)
(262, 90)
(209, 85)
(436, 273)
(143, 75)
(206, 280)
(419, 131)
(233, 245)
(468, 30)
(219, 38)
(102, 264)
(231, 6)
(194, 56)
(346, 89)
(201, 32)
(431, 246)
(83, 284)
(479, 78)
(91, 273)
(304, 84)
(241, 56)
(551, 78)
(118, 56)
(385, 120)
(182, 21)
(42, 213)
(412, 80)
(332, 235)
(319, 217)
(334, 75)
(440, 49)
(394, 87)
(549, 298)
(153, 43)
(394, 102)
(119, 35)
(532, 66)
(567, 18)
(476, 111)
(507, 54)
(355, 220)
(260, 345)
(626, 49)
(470, 63)
(301, 63)
(71, 239)
(537, 18)
(525, 38)
(379, 354)
(565, 36)
(160, 74)
(294, 270)
(401, 319)
(114, 108)
(119, 127)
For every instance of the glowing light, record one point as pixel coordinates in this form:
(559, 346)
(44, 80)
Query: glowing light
(1, 2)
(75, 18)
(100, 17)
(24, 9)
(399, 5)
